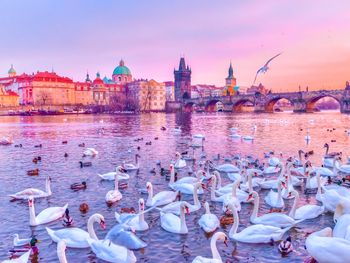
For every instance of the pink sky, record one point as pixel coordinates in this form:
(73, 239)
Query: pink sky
(76, 36)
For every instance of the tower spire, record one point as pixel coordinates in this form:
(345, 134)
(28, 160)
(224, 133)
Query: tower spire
(230, 71)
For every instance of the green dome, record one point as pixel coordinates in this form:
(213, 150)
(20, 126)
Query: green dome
(121, 69)
(12, 70)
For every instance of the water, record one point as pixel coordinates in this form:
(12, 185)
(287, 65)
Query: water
(113, 138)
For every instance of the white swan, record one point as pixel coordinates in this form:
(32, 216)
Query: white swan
(61, 251)
(343, 168)
(214, 251)
(248, 138)
(110, 252)
(136, 222)
(274, 199)
(90, 152)
(179, 163)
(76, 237)
(342, 226)
(46, 216)
(132, 167)
(306, 211)
(274, 161)
(325, 249)
(270, 219)
(120, 171)
(273, 183)
(22, 259)
(208, 221)
(174, 207)
(18, 242)
(115, 195)
(173, 223)
(34, 192)
(227, 168)
(186, 179)
(123, 235)
(255, 233)
(161, 198)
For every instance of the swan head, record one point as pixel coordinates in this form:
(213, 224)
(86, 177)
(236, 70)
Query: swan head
(99, 219)
(185, 207)
(171, 167)
(121, 169)
(293, 193)
(252, 196)
(177, 154)
(149, 186)
(31, 201)
(283, 184)
(142, 204)
(221, 236)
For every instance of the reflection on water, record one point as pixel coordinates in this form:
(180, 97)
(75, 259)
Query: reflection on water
(114, 138)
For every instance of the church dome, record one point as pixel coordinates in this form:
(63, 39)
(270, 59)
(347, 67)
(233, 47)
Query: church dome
(98, 80)
(12, 71)
(121, 69)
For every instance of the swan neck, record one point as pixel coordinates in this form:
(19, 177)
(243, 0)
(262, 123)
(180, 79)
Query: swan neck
(255, 208)
(150, 196)
(214, 249)
(116, 182)
(318, 179)
(250, 182)
(294, 207)
(218, 185)
(183, 221)
(279, 191)
(90, 227)
(234, 227)
(195, 195)
(212, 190)
(61, 256)
(172, 176)
(141, 215)
(207, 209)
(32, 217)
(234, 188)
(48, 187)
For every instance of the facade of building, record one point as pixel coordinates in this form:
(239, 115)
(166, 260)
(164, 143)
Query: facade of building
(182, 86)
(257, 89)
(230, 83)
(8, 98)
(150, 95)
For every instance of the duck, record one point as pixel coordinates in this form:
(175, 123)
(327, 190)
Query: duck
(90, 152)
(115, 195)
(67, 219)
(256, 233)
(123, 235)
(34, 172)
(161, 198)
(177, 130)
(22, 259)
(135, 221)
(84, 208)
(34, 192)
(110, 252)
(61, 251)
(81, 144)
(132, 167)
(324, 248)
(270, 219)
(46, 216)
(76, 237)
(19, 242)
(274, 199)
(216, 258)
(85, 164)
(38, 146)
(163, 128)
(306, 211)
(78, 186)
(173, 223)
(174, 207)
(208, 222)
(286, 246)
(122, 175)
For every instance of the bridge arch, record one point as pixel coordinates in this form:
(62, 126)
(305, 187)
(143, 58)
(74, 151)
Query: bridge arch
(311, 103)
(238, 106)
(189, 107)
(269, 106)
(212, 105)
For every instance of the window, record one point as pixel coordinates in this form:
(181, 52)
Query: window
(120, 78)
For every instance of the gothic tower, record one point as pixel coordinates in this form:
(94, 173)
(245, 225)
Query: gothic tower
(182, 81)
(230, 82)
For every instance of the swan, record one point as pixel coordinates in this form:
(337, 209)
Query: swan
(235, 136)
(325, 249)
(33, 192)
(289, 187)
(132, 167)
(271, 219)
(274, 161)
(214, 251)
(122, 235)
(274, 199)
(120, 171)
(343, 168)
(46, 216)
(173, 223)
(179, 163)
(186, 179)
(136, 222)
(222, 190)
(341, 227)
(248, 138)
(110, 252)
(306, 211)
(227, 168)
(325, 171)
(18, 242)
(76, 237)
(255, 233)
(174, 207)
(22, 259)
(233, 199)
(273, 183)
(161, 198)
(115, 195)
(90, 152)
(6, 141)
(208, 222)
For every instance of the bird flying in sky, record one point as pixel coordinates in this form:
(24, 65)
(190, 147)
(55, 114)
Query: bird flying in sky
(264, 68)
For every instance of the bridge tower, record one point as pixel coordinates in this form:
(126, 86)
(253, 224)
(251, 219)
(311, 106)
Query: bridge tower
(182, 81)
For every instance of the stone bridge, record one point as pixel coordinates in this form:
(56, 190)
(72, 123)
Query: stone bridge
(301, 101)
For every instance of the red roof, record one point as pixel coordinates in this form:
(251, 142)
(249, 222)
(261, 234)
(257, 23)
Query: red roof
(12, 93)
(98, 81)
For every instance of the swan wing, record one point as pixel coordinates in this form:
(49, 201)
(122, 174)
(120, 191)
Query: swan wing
(164, 197)
(308, 211)
(209, 222)
(74, 237)
(275, 219)
(50, 214)
(170, 222)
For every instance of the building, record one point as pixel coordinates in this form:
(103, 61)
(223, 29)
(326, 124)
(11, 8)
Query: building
(150, 95)
(8, 98)
(257, 89)
(169, 89)
(182, 86)
(230, 83)
(121, 74)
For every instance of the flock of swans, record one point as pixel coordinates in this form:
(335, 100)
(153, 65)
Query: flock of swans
(249, 177)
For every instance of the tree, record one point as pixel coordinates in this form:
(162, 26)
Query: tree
(44, 97)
